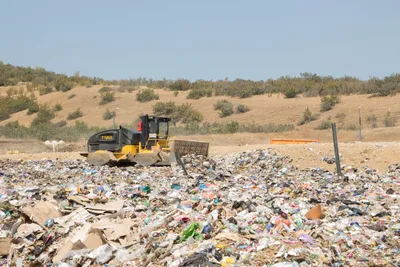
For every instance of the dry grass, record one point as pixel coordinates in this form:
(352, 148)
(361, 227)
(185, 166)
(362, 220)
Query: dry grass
(263, 109)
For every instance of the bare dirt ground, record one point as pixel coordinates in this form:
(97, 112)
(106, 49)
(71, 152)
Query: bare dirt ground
(263, 108)
(378, 150)
(377, 155)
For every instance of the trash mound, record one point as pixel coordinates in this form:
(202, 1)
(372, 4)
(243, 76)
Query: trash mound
(248, 209)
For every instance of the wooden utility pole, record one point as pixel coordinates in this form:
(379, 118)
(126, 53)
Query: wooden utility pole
(336, 147)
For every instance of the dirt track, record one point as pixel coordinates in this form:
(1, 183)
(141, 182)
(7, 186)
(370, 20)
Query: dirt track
(377, 155)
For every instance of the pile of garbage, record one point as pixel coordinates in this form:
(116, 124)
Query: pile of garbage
(247, 209)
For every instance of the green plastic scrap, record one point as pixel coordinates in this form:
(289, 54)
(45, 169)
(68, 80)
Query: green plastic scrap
(146, 189)
(191, 231)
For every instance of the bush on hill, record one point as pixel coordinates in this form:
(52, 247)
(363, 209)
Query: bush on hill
(146, 95)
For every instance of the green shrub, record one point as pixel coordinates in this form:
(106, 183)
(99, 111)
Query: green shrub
(71, 96)
(105, 89)
(19, 103)
(266, 128)
(225, 108)
(180, 85)
(245, 93)
(226, 111)
(36, 77)
(14, 103)
(324, 125)
(146, 95)
(220, 104)
(63, 84)
(308, 84)
(242, 109)
(389, 120)
(61, 124)
(308, 116)
(387, 89)
(107, 98)
(108, 115)
(45, 90)
(229, 127)
(57, 107)
(13, 130)
(184, 113)
(4, 114)
(165, 108)
(195, 94)
(44, 115)
(291, 93)
(199, 93)
(74, 115)
(328, 102)
(48, 131)
(34, 108)
(372, 120)
(232, 127)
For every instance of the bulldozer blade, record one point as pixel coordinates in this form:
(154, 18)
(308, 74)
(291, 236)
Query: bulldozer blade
(165, 159)
(146, 159)
(101, 158)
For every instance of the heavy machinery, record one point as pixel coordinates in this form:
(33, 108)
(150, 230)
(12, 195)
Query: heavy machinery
(149, 145)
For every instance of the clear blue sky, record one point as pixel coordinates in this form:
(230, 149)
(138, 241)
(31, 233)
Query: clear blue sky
(207, 39)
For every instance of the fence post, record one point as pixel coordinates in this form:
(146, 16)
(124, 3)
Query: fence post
(359, 122)
(336, 147)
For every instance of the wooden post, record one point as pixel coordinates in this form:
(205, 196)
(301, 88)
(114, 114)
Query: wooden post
(336, 147)
(359, 122)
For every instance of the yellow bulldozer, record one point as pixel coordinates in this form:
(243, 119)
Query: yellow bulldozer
(149, 145)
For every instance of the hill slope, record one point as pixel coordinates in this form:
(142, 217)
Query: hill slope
(263, 109)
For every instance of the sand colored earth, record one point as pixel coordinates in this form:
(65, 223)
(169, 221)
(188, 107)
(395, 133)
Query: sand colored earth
(377, 155)
(263, 108)
(378, 149)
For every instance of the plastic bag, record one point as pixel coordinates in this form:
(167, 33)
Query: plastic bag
(190, 231)
(126, 255)
(102, 254)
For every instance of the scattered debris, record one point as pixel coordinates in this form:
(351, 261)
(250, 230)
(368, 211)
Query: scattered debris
(247, 209)
(315, 213)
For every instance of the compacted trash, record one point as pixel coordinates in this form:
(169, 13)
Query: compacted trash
(247, 209)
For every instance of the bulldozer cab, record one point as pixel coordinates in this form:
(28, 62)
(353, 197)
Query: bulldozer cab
(155, 130)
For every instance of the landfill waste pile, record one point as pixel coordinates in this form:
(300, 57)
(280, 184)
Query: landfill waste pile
(248, 209)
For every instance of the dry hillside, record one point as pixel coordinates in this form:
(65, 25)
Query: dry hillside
(264, 108)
